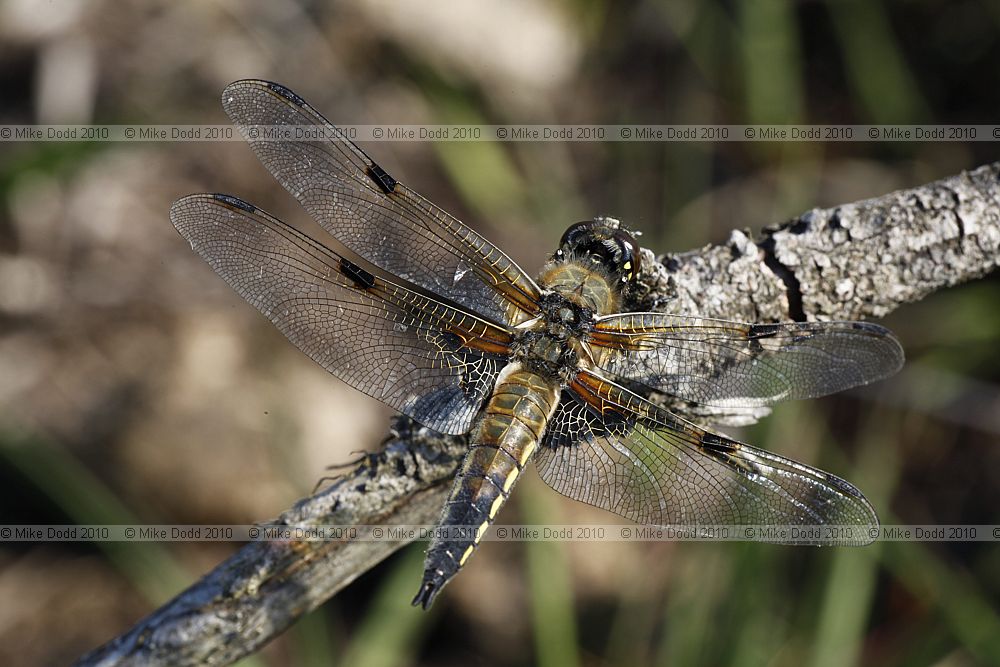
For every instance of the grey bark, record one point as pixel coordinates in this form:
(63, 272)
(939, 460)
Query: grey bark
(856, 261)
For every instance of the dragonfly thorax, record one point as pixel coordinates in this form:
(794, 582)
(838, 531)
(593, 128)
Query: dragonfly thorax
(584, 284)
(564, 317)
(548, 355)
(551, 347)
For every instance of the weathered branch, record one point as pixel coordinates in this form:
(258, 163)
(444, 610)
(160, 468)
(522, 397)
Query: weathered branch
(262, 589)
(850, 262)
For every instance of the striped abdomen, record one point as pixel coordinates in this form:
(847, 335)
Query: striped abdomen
(501, 447)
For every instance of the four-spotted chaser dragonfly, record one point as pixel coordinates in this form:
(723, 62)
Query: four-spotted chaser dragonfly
(445, 328)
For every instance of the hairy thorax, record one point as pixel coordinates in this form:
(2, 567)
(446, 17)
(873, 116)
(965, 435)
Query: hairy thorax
(552, 344)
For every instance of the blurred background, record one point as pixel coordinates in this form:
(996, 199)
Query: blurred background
(136, 387)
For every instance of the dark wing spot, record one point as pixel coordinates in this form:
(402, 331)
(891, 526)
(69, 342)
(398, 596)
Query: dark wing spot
(842, 485)
(361, 278)
(725, 450)
(717, 445)
(382, 178)
(287, 94)
(763, 330)
(235, 202)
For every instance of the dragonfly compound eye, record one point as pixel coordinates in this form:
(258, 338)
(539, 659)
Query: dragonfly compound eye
(604, 243)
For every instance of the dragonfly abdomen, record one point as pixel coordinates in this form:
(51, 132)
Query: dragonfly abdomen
(502, 444)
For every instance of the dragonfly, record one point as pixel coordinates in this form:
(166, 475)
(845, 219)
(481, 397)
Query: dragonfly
(423, 313)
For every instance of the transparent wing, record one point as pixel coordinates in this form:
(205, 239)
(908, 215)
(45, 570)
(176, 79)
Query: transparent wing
(417, 355)
(374, 215)
(731, 364)
(610, 448)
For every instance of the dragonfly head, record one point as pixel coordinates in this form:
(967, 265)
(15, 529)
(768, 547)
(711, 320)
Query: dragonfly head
(602, 242)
